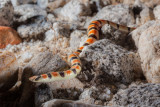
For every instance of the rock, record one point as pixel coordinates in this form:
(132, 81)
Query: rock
(42, 94)
(146, 39)
(21, 2)
(148, 3)
(59, 30)
(72, 11)
(77, 35)
(97, 5)
(68, 93)
(45, 62)
(35, 29)
(67, 103)
(51, 18)
(141, 95)
(27, 11)
(56, 4)
(142, 13)
(120, 14)
(8, 36)
(156, 12)
(95, 94)
(42, 3)
(146, 15)
(6, 13)
(112, 62)
(8, 71)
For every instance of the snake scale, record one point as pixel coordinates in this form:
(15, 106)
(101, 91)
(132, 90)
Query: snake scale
(73, 59)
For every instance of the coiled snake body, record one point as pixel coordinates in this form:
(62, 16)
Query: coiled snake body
(73, 59)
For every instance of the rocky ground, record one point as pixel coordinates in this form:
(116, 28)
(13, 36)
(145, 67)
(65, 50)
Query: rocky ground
(120, 69)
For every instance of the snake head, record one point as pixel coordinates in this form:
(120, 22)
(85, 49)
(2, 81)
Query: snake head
(34, 78)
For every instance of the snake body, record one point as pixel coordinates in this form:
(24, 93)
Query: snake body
(73, 59)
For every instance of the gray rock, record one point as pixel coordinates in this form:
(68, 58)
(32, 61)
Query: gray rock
(6, 13)
(96, 95)
(26, 11)
(67, 103)
(43, 93)
(146, 95)
(35, 29)
(59, 30)
(114, 62)
(21, 2)
(120, 14)
(46, 62)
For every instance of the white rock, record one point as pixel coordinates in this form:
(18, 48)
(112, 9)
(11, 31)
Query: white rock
(77, 39)
(27, 56)
(49, 35)
(6, 13)
(51, 18)
(147, 39)
(156, 12)
(36, 29)
(26, 11)
(42, 3)
(73, 11)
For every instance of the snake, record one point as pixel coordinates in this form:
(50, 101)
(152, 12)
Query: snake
(73, 59)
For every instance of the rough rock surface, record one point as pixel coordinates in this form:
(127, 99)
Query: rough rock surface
(72, 11)
(110, 13)
(26, 11)
(8, 70)
(45, 62)
(35, 29)
(42, 94)
(6, 13)
(156, 11)
(142, 95)
(57, 32)
(95, 95)
(112, 60)
(8, 36)
(66, 103)
(146, 39)
(148, 3)
(56, 4)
